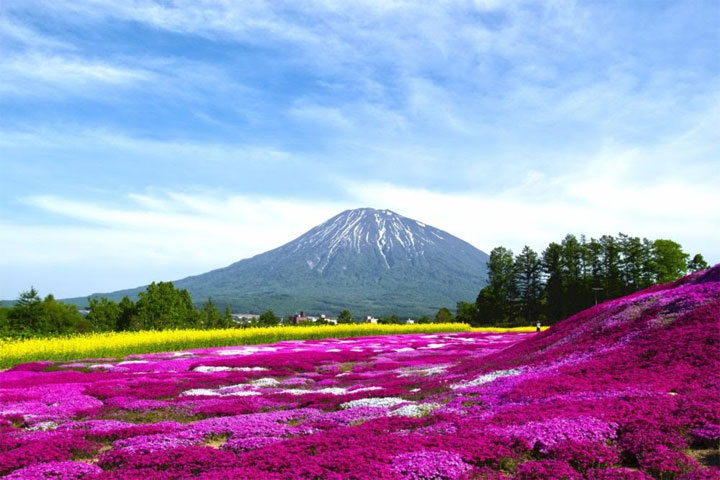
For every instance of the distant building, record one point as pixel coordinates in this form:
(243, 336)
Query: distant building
(370, 319)
(244, 317)
(409, 321)
(298, 319)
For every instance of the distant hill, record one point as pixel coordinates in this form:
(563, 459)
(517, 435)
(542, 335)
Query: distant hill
(369, 261)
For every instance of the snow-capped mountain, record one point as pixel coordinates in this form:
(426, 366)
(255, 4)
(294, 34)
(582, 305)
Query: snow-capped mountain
(369, 261)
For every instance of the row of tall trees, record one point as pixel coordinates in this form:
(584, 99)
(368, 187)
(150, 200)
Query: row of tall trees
(572, 275)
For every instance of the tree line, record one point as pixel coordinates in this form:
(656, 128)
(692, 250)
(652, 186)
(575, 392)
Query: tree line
(161, 306)
(572, 275)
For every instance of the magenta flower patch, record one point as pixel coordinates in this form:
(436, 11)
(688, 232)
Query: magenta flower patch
(626, 390)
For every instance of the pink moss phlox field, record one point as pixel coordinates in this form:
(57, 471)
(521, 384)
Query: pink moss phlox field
(628, 389)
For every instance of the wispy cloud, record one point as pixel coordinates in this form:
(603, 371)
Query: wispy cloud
(504, 122)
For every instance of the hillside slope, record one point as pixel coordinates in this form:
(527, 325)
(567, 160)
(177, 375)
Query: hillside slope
(645, 368)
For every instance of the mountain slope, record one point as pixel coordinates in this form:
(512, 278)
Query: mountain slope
(370, 261)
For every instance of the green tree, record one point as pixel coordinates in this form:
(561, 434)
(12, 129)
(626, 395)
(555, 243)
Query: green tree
(554, 284)
(210, 315)
(128, 314)
(27, 316)
(669, 260)
(611, 266)
(61, 318)
(698, 263)
(162, 306)
(104, 314)
(345, 317)
(444, 315)
(227, 318)
(466, 312)
(268, 319)
(529, 283)
(495, 302)
(4, 326)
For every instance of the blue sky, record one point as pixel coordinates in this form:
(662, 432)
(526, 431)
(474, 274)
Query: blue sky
(150, 140)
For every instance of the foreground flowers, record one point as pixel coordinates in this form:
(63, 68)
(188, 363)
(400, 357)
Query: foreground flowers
(628, 389)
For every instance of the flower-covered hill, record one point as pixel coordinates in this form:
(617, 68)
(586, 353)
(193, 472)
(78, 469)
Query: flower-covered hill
(628, 389)
(647, 364)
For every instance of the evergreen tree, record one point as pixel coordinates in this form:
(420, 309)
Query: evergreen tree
(554, 284)
(210, 315)
(228, 318)
(529, 283)
(612, 280)
(127, 315)
(27, 315)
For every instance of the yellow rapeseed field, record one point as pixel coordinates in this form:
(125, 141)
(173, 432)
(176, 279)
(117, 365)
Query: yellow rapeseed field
(118, 345)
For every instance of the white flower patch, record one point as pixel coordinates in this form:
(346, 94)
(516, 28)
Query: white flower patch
(386, 402)
(222, 392)
(333, 350)
(415, 410)
(426, 371)
(43, 426)
(265, 382)
(432, 346)
(204, 392)
(364, 389)
(246, 351)
(406, 349)
(183, 354)
(132, 362)
(487, 378)
(329, 390)
(102, 365)
(210, 369)
(241, 393)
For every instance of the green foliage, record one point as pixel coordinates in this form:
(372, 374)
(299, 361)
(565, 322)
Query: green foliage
(466, 312)
(392, 319)
(162, 306)
(210, 315)
(698, 263)
(227, 318)
(345, 317)
(444, 315)
(104, 314)
(268, 319)
(669, 260)
(528, 269)
(32, 316)
(4, 327)
(572, 275)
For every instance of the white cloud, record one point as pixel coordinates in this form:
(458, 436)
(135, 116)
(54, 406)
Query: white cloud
(37, 74)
